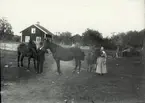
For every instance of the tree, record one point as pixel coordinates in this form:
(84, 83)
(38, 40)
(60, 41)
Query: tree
(135, 38)
(92, 37)
(6, 32)
(65, 38)
(130, 39)
(57, 38)
(76, 38)
(107, 43)
(16, 38)
(118, 41)
(142, 37)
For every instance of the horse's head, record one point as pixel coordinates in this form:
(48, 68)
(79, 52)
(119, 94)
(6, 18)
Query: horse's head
(46, 44)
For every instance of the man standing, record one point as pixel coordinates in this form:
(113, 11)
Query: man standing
(41, 58)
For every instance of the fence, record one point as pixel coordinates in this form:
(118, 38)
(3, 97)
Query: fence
(13, 46)
(82, 47)
(9, 46)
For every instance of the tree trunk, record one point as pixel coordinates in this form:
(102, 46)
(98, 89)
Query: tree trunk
(117, 52)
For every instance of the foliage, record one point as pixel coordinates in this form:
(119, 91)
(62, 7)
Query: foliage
(92, 37)
(16, 38)
(56, 39)
(65, 38)
(118, 40)
(108, 44)
(129, 39)
(6, 32)
(76, 38)
(135, 39)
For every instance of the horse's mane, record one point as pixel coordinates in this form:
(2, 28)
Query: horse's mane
(21, 45)
(54, 44)
(27, 44)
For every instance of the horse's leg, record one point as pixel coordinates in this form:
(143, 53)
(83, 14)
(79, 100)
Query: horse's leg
(34, 64)
(58, 66)
(18, 59)
(29, 59)
(22, 57)
(79, 61)
(76, 65)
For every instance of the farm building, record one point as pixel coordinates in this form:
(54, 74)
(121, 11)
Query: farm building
(36, 32)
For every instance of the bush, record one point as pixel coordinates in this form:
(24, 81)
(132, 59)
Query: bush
(16, 38)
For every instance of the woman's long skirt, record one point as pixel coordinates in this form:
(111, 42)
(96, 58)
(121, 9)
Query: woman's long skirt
(101, 65)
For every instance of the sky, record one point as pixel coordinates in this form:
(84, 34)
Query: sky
(75, 16)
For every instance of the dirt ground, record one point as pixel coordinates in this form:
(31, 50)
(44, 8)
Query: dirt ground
(124, 83)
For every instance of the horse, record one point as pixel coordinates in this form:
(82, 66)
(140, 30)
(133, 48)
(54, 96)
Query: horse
(65, 54)
(27, 50)
(91, 59)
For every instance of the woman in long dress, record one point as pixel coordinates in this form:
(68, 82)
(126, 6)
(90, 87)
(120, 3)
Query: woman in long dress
(101, 62)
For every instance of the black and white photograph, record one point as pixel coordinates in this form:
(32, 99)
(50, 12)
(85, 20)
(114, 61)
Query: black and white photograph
(72, 51)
